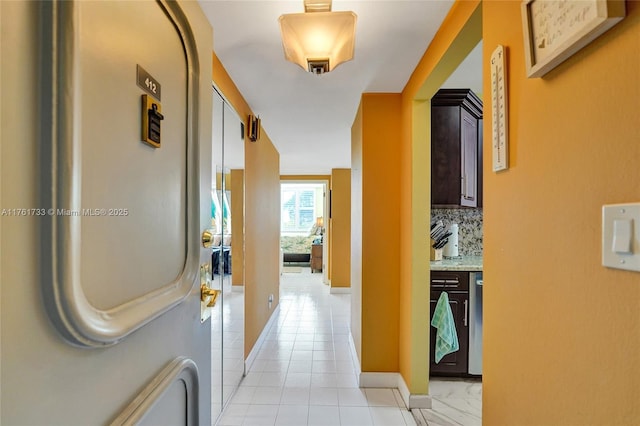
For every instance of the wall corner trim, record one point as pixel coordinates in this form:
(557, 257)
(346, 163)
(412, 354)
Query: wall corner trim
(395, 381)
(388, 380)
(354, 355)
(415, 400)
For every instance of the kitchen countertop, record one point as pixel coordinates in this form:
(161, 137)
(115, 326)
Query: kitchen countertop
(465, 263)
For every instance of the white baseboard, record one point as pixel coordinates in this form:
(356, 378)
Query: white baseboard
(340, 290)
(419, 401)
(404, 392)
(387, 380)
(237, 288)
(395, 381)
(378, 380)
(412, 401)
(354, 355)
(256, 348)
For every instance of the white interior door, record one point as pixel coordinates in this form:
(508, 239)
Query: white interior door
(101, 232)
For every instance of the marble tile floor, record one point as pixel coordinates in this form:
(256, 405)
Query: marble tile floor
(304, 373)
(454, 402)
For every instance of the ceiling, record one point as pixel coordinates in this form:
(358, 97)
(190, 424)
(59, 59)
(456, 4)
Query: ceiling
(308, 117)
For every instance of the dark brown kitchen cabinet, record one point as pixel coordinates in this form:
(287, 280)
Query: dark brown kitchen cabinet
(456, 149)
(456, 284)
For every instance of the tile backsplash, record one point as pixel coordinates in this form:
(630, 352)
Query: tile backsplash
(469, 228)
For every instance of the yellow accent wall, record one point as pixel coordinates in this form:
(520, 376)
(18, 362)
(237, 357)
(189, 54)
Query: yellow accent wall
(561, 332)
(340, 239)
(459, 34)
(262, 217)
(375, 250)
(356, 232)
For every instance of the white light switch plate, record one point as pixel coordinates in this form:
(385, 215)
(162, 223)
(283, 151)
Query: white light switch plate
(621, 232)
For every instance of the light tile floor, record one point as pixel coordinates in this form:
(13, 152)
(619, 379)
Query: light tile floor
(304, 373)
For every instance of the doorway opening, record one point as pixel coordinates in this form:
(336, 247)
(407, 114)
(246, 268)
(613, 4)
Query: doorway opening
(303, 226)
(459, 71)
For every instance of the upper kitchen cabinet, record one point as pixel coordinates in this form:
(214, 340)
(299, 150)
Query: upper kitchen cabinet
(456, 149)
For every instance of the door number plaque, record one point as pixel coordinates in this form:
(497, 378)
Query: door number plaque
(151, 108)
(148, 83)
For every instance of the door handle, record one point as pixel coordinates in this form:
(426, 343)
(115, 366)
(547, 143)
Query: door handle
(207, 239)
(209, 292)
(466, 312)
(205, 290)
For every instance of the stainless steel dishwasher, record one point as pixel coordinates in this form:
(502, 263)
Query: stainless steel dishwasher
(475, 325)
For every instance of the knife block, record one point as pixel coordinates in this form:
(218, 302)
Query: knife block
(435, 254)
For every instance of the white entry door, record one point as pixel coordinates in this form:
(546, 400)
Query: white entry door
(105, 192)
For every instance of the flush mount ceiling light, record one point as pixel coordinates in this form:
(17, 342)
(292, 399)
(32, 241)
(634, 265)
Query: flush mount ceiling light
(318, 40)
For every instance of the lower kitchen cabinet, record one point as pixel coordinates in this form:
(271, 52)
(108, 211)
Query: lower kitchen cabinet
(456, 284)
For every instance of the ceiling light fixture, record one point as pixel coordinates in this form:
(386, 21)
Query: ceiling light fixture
(318, 40)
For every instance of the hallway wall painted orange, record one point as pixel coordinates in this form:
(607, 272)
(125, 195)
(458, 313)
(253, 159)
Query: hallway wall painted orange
(340, 248)
(375, 240)
(561, 332)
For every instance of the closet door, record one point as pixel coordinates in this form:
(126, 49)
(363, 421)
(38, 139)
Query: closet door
(233, 244)
(228, 249)
(216, 320)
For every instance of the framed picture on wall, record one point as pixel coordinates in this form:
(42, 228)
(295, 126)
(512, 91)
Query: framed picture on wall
(554, 29)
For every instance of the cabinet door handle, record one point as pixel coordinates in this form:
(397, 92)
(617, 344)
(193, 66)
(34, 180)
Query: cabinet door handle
(466, 313)
(464, 189)
(438, 281)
